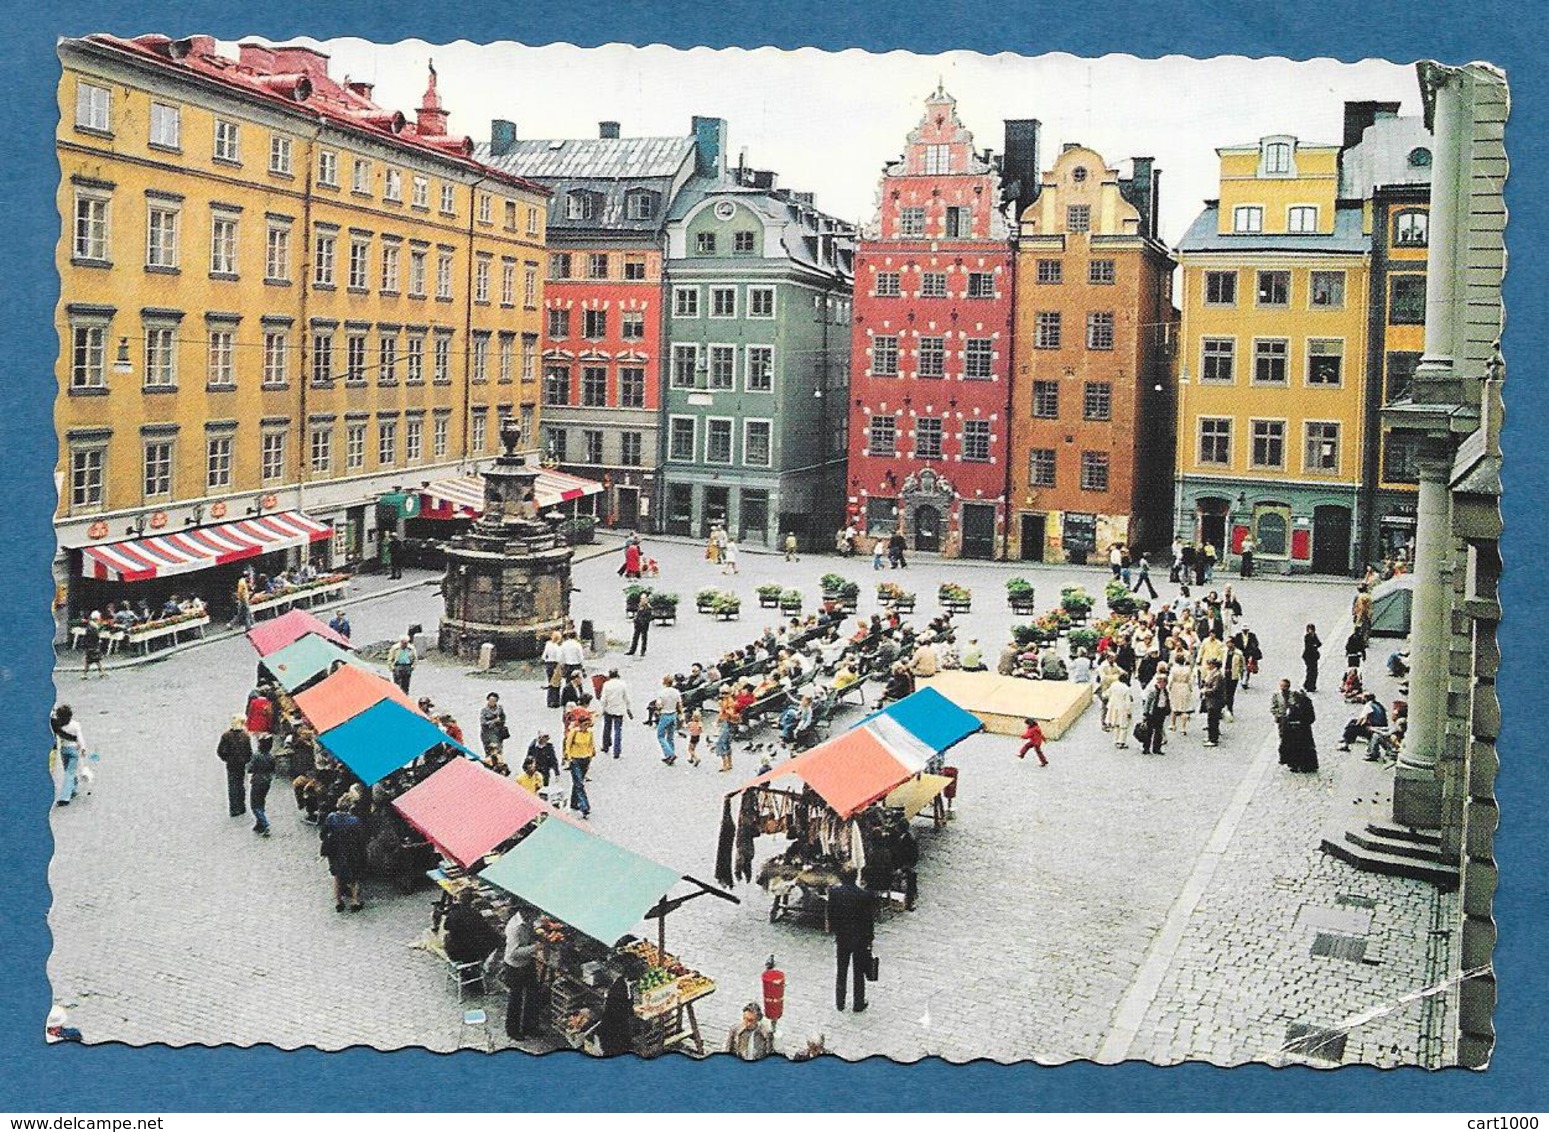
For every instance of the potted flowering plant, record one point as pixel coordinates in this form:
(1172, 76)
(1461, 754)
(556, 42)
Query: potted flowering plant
(954, 597)
(849, 596)
(704, 600)
(1075, 601)
(1119, 598)
(1019, 594)
(664, 609)
(833, 584)
(632, 596)
(769, 595)
(728, 606)
(1084, 640)
(790, 601)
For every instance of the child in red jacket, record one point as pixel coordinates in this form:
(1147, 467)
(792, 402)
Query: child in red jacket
(1034, 742)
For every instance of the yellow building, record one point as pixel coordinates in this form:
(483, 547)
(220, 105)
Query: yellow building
(278, 299)
(1272, 425)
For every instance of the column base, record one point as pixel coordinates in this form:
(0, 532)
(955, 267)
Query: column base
(1416, 798)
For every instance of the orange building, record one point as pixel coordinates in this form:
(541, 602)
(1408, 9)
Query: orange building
(1092, 412)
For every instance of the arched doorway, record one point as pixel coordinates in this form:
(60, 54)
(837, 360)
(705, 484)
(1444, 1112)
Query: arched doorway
(927, 528)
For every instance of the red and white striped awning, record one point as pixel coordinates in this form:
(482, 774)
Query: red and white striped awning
(463, 496)
(183, 552)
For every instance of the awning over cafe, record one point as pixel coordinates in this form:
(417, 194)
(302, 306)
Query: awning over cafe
(593, 885)
(198, 548)
(382, 739)
(301, 661)
(560, 487)
(466, 810)
(344, 694)
(287, 628)
(462, 497)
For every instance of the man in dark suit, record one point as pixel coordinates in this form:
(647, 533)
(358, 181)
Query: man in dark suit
(852, 917)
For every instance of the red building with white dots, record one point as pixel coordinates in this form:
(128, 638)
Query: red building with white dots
(931, 350)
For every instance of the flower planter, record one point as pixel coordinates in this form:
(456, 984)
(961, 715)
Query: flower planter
(1022, 608)
(768, 602)
(790, 606)
(955, 605)
(903, 604)
(728, 613)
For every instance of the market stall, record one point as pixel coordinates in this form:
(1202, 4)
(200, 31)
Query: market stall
(287, 629)
(304, 660)
(346, 692)
(385, 738)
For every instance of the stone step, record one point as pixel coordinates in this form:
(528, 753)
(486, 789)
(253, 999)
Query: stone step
(1389, 864)
(1403, 833)
(1393, 846)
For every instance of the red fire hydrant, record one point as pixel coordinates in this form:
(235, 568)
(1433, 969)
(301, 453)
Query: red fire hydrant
(774, 992)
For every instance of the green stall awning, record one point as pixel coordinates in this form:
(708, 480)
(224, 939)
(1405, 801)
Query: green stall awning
(300, 662)
(401, 504)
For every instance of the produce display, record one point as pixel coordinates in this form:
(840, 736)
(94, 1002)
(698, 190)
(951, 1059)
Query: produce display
(665, 982)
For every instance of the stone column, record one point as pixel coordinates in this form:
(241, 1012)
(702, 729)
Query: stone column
(1416, 786)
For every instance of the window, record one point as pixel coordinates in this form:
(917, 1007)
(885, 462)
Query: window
(91, 227)
(591, 445)
(632, 325)
(634, 268)
(1248, 218)
(723, 367)
(882, 435)
(360, 176)
(1100, 272)
(704, 243)
(414, 359)
(1046, 399)
(529, 357)
(1322, 450)
(444, 275)
(481, 265)
(1215, 440)
(1277, 157)
(280, 154)
(757, 444)
(1221, 288)
(161, 237)
(1216, 364)
(508, 283)
(328, 168)
(322, 358)
(594, 386)
(685, 361)
(558, 443)
(1406, 300)
(360, 260)
(597, 265)
(223, 245)
(887, 283)
(1040, 467)
(976, 442)
(938, 159)
(558, 323)
(1301, 218)
(160, 356)
(228, 147)
(1328, 289)
(413, 439)
(743, 243)
(417, 273)
(1099, 330)
(594, 324)
(556, 385)
(217, 462)
(911, 222)
(1269, 360)
(1325, 361)
(927, 438)
(723, 302)
(448, 199)
(532, 221)
(959, 223)
(1047, 332)
(530, 286)
(1274, 288)
(441, 360)
(322, 260)
(392, 188)
(685, 302)
(218, 367)
(981, 284)
(932, 357)
(632, 387)
(480, 355)
(272, 457)
(355, 359)
(640, 204)
(386, 442)
(580, 205)
(717, 441)
(630, 449)
(1094, 471)
(1097, 401)
(933, 285)
(1401, 374)
(91, 108)
(1398, 460)
(354, 447)
(884, 355)
(419, 192)
(276, 357)
(158, 468)
(559, 265)
(979, 358)
(682, 439)
(88, 348)
(1078, 218)
(760, 369)
(1268, 444)
(320, 443)
(438, 434)
(1411, 229)
(390, 257)
(387, 359)
(166, 126)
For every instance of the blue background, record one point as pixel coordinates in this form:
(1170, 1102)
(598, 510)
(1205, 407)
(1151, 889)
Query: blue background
(75, 1078)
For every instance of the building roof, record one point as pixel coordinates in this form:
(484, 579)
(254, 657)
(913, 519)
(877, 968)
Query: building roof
(1474, 470)
(1383, 157)
(1347, 238)
(801, 224)
(593, 158)
(296, 79)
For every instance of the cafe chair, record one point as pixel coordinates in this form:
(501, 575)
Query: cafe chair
(466, 976)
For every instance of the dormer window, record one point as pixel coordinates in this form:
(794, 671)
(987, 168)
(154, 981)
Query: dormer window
(640, 204)
(1277, 158)
(581, 205)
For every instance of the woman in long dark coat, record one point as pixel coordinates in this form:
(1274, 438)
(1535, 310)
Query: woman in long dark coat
(1312, 649)
(1298, 751)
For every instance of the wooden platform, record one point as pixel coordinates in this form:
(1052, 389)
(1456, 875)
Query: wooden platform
(1003, 703)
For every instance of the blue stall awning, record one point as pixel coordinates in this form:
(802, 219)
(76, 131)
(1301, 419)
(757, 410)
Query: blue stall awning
(382, 739)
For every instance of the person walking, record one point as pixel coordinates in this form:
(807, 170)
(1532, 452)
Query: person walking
(235, 750)
(1143, 576)
(1180, 691)
(1210, 563)
(551, 658)
(729, 556)
(260, 776)
(1212, 700)
(1154, 711)
(1121, 706)
(394, 556)
(340, 623)
(260, 718)
(402, 658)
(1312, 649)
(580, 748)
(1116, 559)
(572, 658)
(1175, 573)
(721, 744)
(91, 644)
(630, 567)
(696, 731)
(790, 547)
(71, 748)
(1279, 703)
(642, 620)
(343, 844)
(493, 729)
(541, 753)
(1298, 750)
(1032, 741)
(669, 702)
(1252, 654)
(1246, 556)
(244, 596)
(615, 706)
(878, 553)
(852, 917)
(1233, 668)
(896, 545)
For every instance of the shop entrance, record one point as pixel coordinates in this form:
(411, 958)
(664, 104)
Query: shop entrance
(927, 528)
(978, 530)
(626, 508)
(1331, 539)
(1032, 537)
(717, 504)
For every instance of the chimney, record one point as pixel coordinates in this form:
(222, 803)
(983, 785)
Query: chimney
(294, 60)
(194, 45)
(430, 118)
(1019, 163)
(1140, 189)
(802, 198)
(1360, 115)
(710, 146)
(502, 137)
(255, 57)
(608, 130)
(361, 88)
